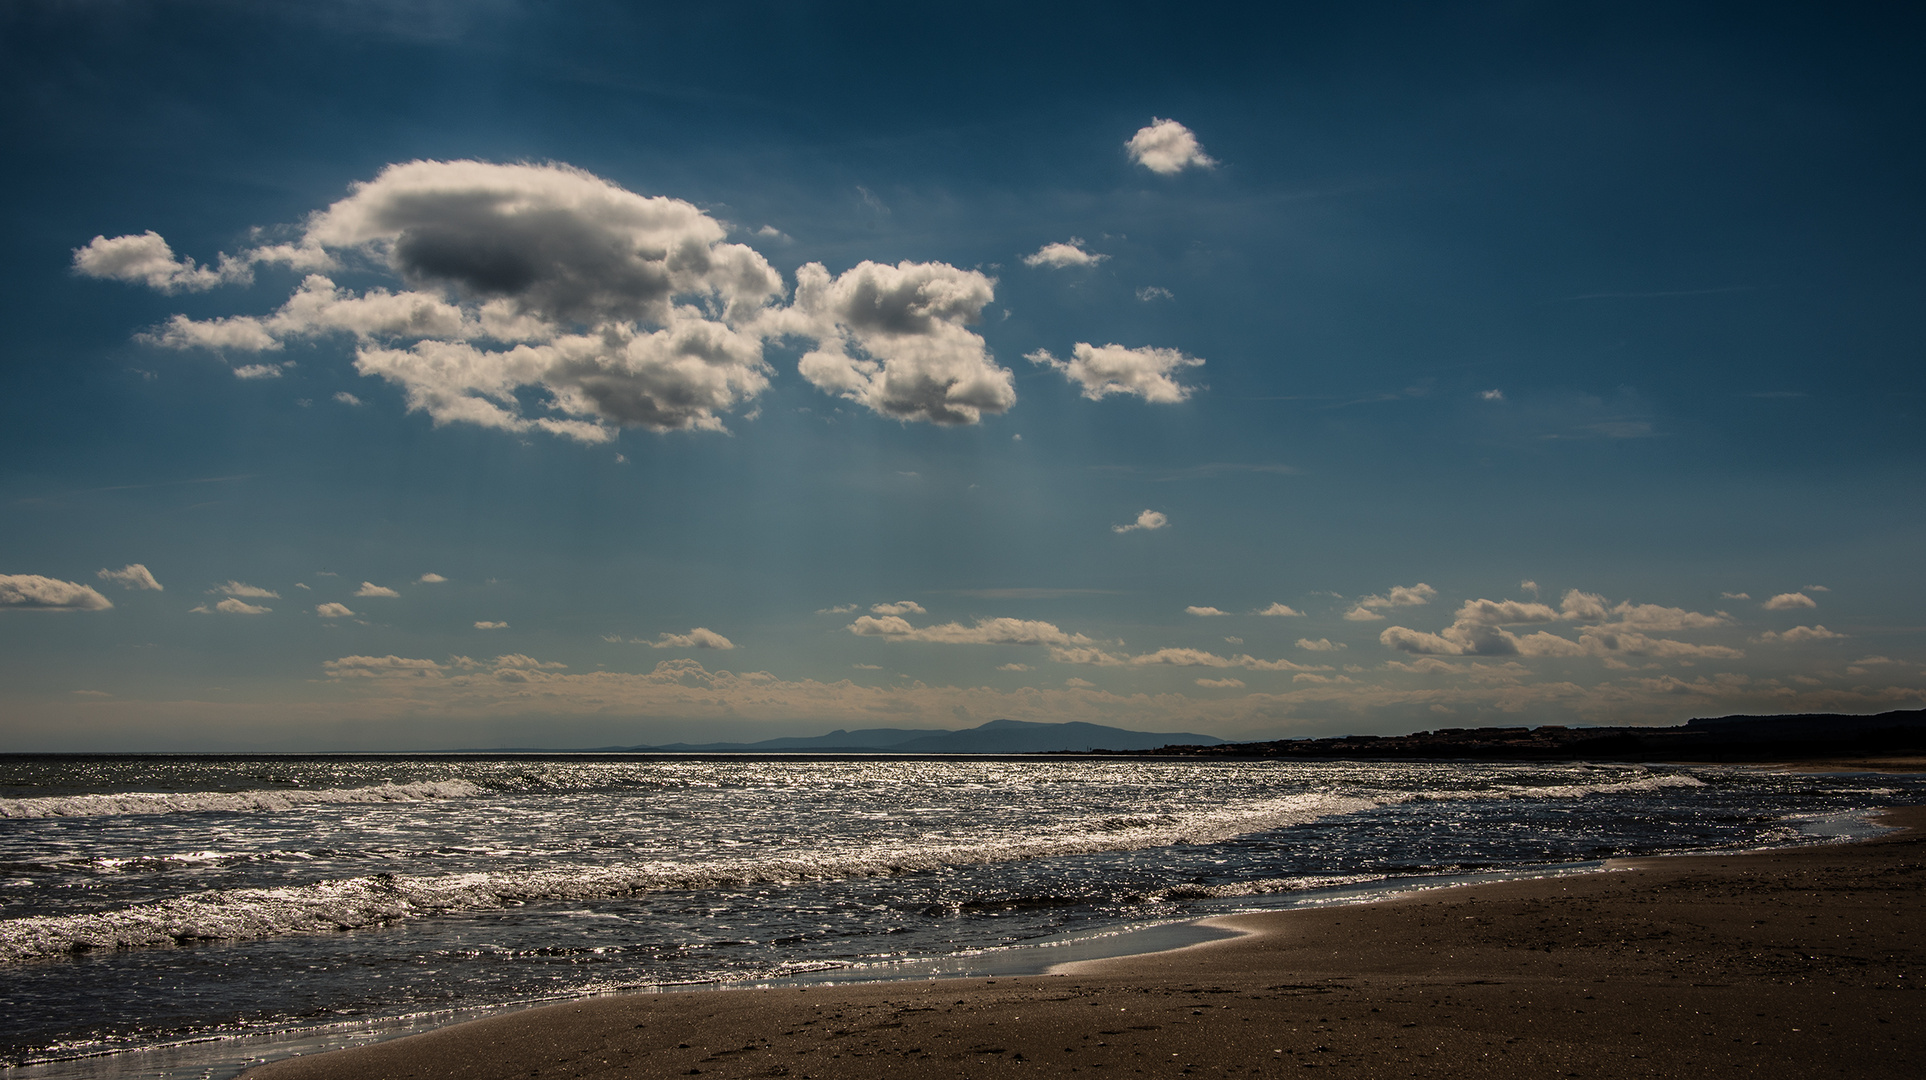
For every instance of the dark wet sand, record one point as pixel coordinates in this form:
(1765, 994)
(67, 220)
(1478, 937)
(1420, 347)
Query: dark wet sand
(1799, 963)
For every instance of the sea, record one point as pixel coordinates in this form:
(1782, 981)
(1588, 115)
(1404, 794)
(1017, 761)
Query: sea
(167, 917)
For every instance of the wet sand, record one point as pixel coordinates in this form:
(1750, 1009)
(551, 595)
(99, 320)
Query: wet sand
(1801, 963)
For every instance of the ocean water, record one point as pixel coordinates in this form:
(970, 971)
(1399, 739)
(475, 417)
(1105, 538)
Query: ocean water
(166, 917)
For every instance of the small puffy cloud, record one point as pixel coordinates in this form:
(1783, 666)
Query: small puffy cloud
(1075, 683)
(240, 333)
(839, 609)
(1798, 635)
(32, 592)
(1154, 292)
(1817, 588)
(1735, 596)
(258, 371)
(1282, 610)
(346, 398)
(1091, 656)
(1221, 684)
(1147, 521)
(900, 607)
(527, 663)
(998, 631)
(1102, 370)
(378, 667)
(1201, 658)
(1319, 644)
(1204, 611)
(369, 588)
(1790, 601)
(895, 340)
(332, 611)
(484, 624)
(1015, 667)
(431, 579)
(879, 667)
(1167, 147)
(1491, 395)
(1233, 641)
(148, 260)
(698, 638)
(131, 576)
(1656, 617)
(1058, 256)
(1367, 608)
(231, 606)
(1528, 585)
(245, 591)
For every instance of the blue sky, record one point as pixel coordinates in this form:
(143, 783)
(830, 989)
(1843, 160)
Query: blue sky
(412, 374)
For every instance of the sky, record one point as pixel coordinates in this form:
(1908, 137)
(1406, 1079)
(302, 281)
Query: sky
(407, 374)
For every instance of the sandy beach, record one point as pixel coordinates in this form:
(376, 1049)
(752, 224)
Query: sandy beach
(1790, 963)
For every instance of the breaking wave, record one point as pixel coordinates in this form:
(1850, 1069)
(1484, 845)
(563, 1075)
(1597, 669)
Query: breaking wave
(183, 802)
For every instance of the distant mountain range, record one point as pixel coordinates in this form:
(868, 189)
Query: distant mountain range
(995, 737)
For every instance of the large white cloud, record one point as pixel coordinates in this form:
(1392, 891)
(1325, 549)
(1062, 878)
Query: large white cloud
(895, 340)
(1791, 601)
(1167, 147)
(36, 593)
(1102, 370)
(1478, 629)
(619, 309)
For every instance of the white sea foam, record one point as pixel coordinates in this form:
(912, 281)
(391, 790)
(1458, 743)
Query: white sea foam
(348, 903)
(345, 904)
(149, 802)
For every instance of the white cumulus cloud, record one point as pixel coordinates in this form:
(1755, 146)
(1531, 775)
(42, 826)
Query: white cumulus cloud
(333, 611)
(989, 631)
(1101, 370)
(148, 260)
(698, 638)
(245, 591)
(1204, 611)
(900, 607)
(1798, 635)
(131, 576)
(1318, 644)
(369, 588)
(1147, 520)
(431, 579)
(231, 606)
(615, 309)
(33, 592)
(1167, 147)
(1057, 256)
(1282, 610)
(1791, 601)
(487, 624)
(895, 340)
(1368, 608)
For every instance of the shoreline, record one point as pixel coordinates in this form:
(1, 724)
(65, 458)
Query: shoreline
(1794, 961)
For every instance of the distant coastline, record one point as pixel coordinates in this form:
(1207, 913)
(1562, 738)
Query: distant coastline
(1801, 737)
(1793, 738)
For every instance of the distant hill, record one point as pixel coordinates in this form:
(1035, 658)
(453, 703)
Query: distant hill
(995, 737)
